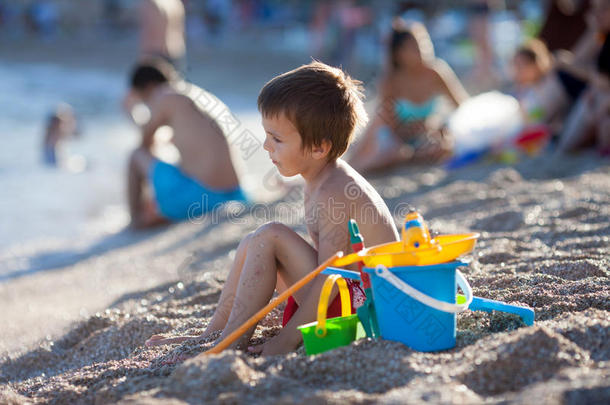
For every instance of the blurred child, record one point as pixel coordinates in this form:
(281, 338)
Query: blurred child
(409, 93)
(205, 177)
(309, 115)
(61, 124)
(531, 66)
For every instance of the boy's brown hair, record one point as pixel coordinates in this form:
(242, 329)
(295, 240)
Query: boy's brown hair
(321, 101)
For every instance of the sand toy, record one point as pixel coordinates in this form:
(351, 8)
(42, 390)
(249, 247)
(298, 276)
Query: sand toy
(526, 314)
(417, 248)
(326, 334)
(416, 305)
(366, 312)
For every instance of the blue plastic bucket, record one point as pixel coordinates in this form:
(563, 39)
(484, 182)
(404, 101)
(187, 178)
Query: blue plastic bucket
(416, 305)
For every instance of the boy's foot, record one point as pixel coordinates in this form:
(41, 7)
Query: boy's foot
(148, 220)
(159, 340)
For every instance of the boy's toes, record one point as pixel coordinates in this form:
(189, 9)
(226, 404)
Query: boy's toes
(255, 349)
(154, 340)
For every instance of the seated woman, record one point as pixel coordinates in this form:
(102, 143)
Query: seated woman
(401, 129)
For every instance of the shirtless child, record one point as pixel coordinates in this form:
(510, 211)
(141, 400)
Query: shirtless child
(205, 177)
(309, 115)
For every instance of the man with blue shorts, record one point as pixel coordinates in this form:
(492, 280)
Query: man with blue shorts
(205, 177)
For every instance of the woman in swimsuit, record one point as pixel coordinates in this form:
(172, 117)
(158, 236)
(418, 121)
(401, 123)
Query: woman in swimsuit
(401, 129)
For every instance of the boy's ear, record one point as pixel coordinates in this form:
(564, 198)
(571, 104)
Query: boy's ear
(321, 151)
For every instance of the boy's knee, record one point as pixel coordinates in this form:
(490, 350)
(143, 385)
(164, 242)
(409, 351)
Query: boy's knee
(245, 242)
(271, 230)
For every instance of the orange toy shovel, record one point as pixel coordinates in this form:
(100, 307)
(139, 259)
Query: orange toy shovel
(226, 342)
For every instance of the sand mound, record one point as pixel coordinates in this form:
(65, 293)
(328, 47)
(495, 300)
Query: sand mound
(10, 397)
(531, 355)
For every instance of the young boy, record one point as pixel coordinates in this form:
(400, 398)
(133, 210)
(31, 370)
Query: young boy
(205, 177)
(309, 115)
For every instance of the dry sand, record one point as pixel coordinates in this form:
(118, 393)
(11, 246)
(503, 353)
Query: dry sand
(545, 233)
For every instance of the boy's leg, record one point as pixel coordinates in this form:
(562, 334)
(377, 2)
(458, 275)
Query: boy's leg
(141, 213)
(273, 249)
(225, 302)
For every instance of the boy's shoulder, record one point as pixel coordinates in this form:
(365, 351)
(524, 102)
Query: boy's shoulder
(344, 184)
(345, 195)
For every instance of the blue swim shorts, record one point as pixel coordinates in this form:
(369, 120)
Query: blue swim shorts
(180, 197)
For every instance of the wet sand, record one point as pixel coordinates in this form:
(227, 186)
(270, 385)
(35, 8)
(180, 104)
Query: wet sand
(545, 232)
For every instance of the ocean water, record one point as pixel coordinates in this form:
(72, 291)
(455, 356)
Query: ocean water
(50, 216)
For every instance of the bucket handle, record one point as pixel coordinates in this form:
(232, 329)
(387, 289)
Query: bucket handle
(346, 304)
(383, 272)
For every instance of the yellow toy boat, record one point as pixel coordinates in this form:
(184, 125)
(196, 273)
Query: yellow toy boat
(416, 248)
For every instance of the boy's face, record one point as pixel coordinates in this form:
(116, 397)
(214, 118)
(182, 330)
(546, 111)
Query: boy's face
(283, 143)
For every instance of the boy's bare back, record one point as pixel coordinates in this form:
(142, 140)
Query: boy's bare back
(203, 147)
(340, 195)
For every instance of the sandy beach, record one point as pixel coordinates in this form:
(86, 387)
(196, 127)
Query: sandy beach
(74, 332)
(545, 232)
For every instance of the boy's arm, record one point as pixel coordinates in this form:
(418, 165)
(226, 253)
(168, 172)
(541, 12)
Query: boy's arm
(158, 118)
(333, 237)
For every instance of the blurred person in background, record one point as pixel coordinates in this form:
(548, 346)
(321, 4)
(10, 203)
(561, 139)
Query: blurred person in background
(349, 18)
(564, 23)
(401, 130)
(558, 89)
(42, 18)
(162, 36)
(588, 121)
(531, 66)
(318, 26)
(61, 125)
(205, 177)
(216, 13)
(484, 75)
(162, 31)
